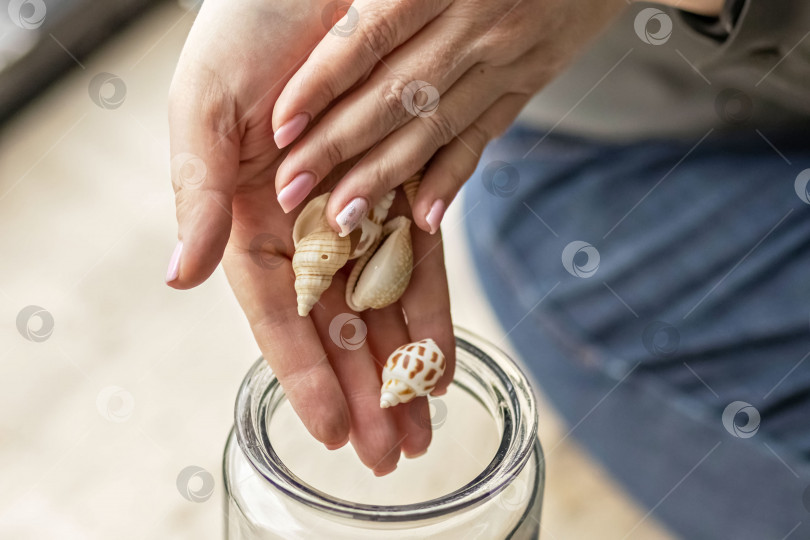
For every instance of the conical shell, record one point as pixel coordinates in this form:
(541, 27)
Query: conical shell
(317, 257)
(381, 275)
(319, 253)
(371, 227)
(412, 370)
(411, 186)
(311, 219)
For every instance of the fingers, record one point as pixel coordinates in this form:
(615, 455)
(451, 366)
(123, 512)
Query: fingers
(289, 343)
(406, 150)
(369, 31)
(427, 301)
(386, 332)
(413, 420)
(395, 94)
(374, 432)
(204, 166)
(453, 165)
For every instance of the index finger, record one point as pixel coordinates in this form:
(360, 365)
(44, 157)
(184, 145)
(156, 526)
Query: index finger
(368, 31)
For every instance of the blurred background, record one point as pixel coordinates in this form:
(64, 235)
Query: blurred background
(111, 383)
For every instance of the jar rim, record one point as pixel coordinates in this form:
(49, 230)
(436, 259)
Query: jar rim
(516, 404)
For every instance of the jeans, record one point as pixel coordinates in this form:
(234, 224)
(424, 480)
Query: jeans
(659, 292)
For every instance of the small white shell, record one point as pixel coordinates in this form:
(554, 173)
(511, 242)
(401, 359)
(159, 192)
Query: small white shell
(412, 370)
(371, 228)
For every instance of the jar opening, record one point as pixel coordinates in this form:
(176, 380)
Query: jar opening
(482, 370)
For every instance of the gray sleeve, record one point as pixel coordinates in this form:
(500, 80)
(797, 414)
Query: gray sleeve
(717, 28)
(768, 47)
(627, 85)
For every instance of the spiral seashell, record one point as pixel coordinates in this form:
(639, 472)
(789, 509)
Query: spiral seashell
(319, 253)
(383, 251)
(372, 226)
(412, 370)
(311, 219)
(317, 257)
(381, 275)
(411, 186)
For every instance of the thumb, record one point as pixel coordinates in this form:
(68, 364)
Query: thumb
(204, 164)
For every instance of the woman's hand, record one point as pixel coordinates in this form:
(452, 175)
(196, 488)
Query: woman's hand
(446, 76)
(236, 60)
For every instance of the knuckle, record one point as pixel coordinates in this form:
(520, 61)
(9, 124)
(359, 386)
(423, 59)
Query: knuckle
(498, 43)
(391, 101)
(497, 48)
(327, 89)
(440, 128)
(379, 33)
(332, 149)
(215, 112)
(207, 102)
(380, 173)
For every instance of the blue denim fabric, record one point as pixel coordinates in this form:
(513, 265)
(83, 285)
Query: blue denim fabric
(700, 299)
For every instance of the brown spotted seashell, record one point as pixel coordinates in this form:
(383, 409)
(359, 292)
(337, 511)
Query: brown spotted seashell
(412, 370)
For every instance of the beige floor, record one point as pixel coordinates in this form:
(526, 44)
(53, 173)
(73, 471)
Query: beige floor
(137, 381)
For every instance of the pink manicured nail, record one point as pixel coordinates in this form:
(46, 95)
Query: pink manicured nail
(296, 191)
(351, 215)
(291, 130)
(435, 215)
(174, 263)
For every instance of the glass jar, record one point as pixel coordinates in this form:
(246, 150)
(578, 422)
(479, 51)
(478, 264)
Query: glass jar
(482, 476)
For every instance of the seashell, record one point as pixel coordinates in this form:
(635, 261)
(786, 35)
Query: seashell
(411, 186)
(412, 370)
(311, 219)
(319, 253)
(372, 226)
(383, 252)
(381, 275)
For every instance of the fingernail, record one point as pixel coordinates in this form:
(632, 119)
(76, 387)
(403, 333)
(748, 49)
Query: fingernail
(414, 456)
(435, 215)
(296, 191)
(336, 446)
(291, 130)
(352, 214)
(174, 263)
(378, 473)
